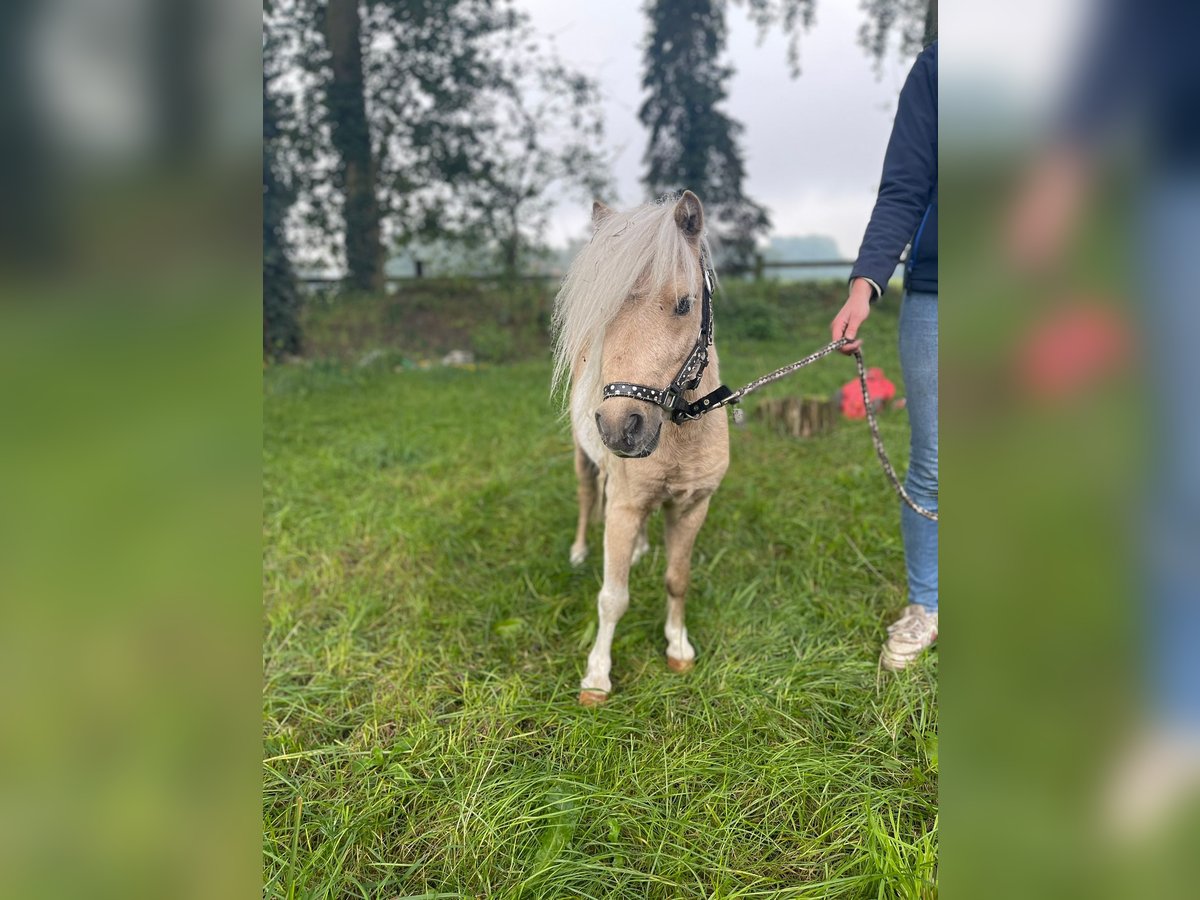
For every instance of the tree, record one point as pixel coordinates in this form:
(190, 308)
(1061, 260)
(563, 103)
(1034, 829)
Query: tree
(380, 93)
(693, 143)
(406, 117)
(351, 133)
(791, 15)
(543, 139)
(281, 297)
(914, 22)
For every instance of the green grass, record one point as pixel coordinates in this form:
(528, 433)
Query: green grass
(425, 636)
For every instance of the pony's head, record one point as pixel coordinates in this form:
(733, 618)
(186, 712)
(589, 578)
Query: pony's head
(629, 310)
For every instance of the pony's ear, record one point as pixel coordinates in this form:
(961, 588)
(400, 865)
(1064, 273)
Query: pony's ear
(689, 215)
(600, 212)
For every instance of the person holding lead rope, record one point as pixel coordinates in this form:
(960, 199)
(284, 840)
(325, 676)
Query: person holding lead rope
(906, 213)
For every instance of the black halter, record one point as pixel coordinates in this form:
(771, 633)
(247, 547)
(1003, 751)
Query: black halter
(687, 378)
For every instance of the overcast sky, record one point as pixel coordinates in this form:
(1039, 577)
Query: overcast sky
(813, 145)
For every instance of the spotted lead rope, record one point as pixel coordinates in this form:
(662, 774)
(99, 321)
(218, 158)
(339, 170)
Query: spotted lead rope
(878, 441)
(884, 461)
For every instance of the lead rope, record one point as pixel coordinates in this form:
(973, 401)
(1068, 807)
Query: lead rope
(871, 421)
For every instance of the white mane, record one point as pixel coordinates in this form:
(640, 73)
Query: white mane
(642, 248)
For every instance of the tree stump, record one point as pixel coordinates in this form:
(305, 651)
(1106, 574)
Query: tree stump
(799, 417)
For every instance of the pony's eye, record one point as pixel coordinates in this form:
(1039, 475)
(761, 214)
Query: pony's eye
(683, 306)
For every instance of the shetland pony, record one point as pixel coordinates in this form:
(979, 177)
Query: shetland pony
(630, 311)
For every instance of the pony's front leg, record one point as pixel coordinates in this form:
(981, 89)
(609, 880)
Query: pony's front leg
(683, 524)
(620, 531)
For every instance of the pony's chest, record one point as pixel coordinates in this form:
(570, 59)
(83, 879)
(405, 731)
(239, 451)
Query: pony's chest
(681, 482)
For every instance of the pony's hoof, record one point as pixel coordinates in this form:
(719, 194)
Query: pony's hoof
(578, 556)
(680, 665)
(591, 698)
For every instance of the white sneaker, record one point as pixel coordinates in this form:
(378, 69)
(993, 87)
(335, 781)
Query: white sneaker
(908, 637)
(1156, 780)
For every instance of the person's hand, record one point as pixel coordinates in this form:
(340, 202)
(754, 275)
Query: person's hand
(852, 314)
(1046, 209)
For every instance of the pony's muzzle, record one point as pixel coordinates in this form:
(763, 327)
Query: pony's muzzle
(629, 428)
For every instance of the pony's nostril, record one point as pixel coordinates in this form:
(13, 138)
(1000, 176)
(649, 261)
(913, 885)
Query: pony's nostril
(633, 425)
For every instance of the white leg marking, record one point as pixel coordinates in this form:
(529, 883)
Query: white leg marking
(611, 604)
(678, 645)
(682, 527)
(619, 534)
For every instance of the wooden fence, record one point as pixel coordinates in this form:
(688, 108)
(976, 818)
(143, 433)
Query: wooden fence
(758, 269)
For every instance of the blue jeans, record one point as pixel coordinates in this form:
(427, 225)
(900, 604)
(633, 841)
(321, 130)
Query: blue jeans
(1170, 273)
(919, 364)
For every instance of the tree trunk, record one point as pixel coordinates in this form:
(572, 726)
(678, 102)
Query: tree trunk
(281, 294)
(512, 246)
(800, 417)
(31, 231)
(352, 138)
(179, 81)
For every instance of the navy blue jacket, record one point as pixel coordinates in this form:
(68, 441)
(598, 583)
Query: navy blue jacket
(906, 208)
(1140, 70)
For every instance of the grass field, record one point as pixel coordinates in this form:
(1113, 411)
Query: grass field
(425, 636)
